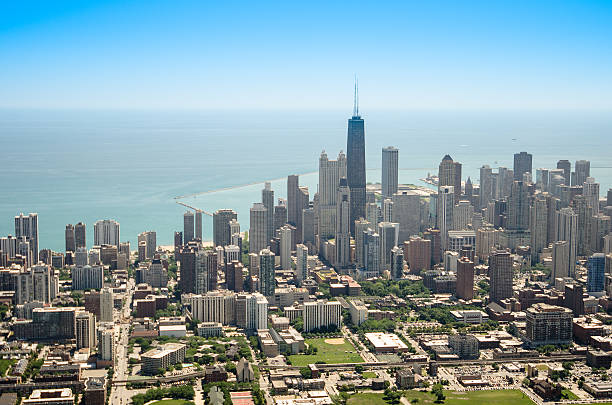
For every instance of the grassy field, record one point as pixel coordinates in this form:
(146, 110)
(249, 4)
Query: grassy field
(369, 374)
(497, 397)
(327, 353)
(173, 402)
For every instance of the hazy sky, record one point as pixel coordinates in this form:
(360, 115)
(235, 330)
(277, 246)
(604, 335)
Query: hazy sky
(303, 55)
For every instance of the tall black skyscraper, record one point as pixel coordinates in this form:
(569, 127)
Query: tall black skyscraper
(355, 164)
(522, 165)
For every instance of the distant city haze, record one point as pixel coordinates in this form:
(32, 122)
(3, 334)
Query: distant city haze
(71, 166)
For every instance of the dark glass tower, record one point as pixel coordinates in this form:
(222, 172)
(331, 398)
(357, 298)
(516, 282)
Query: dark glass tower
(355, 164)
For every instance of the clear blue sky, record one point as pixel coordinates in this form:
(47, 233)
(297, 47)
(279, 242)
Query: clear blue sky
(303, 55)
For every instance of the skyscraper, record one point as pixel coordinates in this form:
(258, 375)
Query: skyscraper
(293, 185)
(222, 235)
(522, 165)
(301, 270)
(80, 238)
(449, 174)
(106, 232)
(465, 278)
(188, 227)
(343, 218)
(397, 263)
(371, 251)
(27, 227)
(590, 190)
(267, 198)
(267, 281)
(538, 227)
(583, 171)
(407, 213)
(70, 238)
(486, 186)
(330, 172)
(389, 171)
(280, 214)
(388, 232)
(258, 228)
(596, 272)
(518, 207)
(285, 247)
(446, 204)
(500, 273)
(150, 240)
(198, 225)
(355, 164)
(560, 259)
(361, 226)
(566, 166)
(567, 230)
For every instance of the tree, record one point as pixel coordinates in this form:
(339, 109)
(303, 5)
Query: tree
(359, 368)
(306, 372)
(438, 391)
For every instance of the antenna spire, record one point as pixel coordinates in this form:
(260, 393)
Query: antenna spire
(356, 99)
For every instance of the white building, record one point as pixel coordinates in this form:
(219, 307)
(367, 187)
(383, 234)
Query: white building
(87, 277)
(320, 314)
(106, 232)
(106, 305)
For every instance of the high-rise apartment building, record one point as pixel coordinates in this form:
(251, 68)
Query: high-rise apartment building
(267, 281)
(293, 188)
(85, 330)
(222, 235)
(465, 278)
(417, 252)
(583, 172)
(539, 227)
(87, 277)
(198, 225)
(258, 228)
(407, 213)
(267, 199)
(280, 214)
(322, 314)
(361, 226)
(548, 325)
(70, 238)
(397, 263)
(27, 227)
(301, 270)
(188, 227)
(560, 259)
(286, 234)
(389, 178)
(596, 273)
(446, 204)
(590, 191)
(150, 240)
(566, 166)
(486, 186)
(567, 230)
(106, 232)
(80, 237)
(106, 305)
(343, 218)
(388, 232)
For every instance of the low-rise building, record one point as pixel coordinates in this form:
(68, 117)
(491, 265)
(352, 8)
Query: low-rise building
(470, 316)
(162, 357)
(465, 346)
(61, 396)
(210, 329)
(386, 342)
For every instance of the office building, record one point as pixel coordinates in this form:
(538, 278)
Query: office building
(462, 215)
(389, 178)
(222, 233)
(522, 165)
(330, 173)
(465, 279)
(106, 232)
(500, 274)
(322, 314)
(308, 225)
(293, 188)
(548, 325)
(27, 227)
(486, 186)
(258, 228)
(449, 174)
(87, 277)
(280, 214)
(355, 165)
(286, 234)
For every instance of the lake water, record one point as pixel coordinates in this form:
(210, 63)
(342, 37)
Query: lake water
(72, 166)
